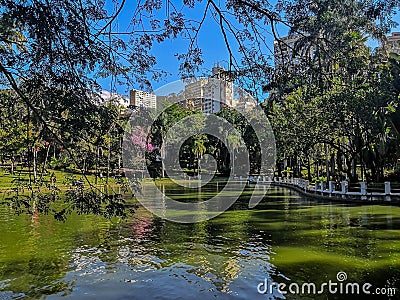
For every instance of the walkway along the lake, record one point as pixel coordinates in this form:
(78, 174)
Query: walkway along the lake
(320, 190)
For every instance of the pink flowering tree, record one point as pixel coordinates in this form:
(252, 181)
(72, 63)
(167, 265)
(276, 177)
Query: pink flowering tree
(137, 145)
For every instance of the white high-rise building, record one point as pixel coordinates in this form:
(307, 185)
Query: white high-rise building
(142, 99)
(210, 94)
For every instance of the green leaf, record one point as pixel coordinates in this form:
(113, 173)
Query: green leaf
(391, 108)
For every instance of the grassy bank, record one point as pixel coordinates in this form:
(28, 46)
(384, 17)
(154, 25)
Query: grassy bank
(63, 180)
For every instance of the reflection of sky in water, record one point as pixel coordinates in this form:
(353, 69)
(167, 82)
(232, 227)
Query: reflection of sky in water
(201, 271)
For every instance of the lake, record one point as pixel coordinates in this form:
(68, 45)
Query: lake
(286, 239)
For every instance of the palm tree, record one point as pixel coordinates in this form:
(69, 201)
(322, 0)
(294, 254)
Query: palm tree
(199, 148)
(234, 141)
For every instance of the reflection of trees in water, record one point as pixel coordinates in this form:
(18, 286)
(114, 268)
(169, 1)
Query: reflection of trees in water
(35, 251)
(215, 252)
(301, 236)
(330, 238)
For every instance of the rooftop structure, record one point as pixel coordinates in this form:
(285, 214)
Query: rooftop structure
(210, 94)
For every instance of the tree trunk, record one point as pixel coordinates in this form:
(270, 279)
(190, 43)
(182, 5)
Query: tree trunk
(96, 165)
(46, 158)
(349, 171)
(163, 153)
(279, 165)
(12, 163)
(84, 165)
(34, 163)
(233, 162)
(308, 169)
(198, 167)
(328, 175)
(108, 162)
(45, 162)
(120, 154)
(333, 167)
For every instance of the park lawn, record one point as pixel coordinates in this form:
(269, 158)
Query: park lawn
(9, 181)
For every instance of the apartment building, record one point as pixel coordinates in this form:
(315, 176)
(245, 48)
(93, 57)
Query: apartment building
(142, 99)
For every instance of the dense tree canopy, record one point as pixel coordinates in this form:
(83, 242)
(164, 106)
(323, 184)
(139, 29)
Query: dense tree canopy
(336, 109)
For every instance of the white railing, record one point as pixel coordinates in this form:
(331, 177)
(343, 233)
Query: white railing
(328, 190)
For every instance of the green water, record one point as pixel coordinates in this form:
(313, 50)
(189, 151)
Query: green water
(285, 239)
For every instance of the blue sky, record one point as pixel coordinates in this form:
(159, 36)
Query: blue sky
(210, 40)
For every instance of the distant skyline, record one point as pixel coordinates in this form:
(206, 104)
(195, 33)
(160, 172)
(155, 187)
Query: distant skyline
(210, 40)
(214, 50)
